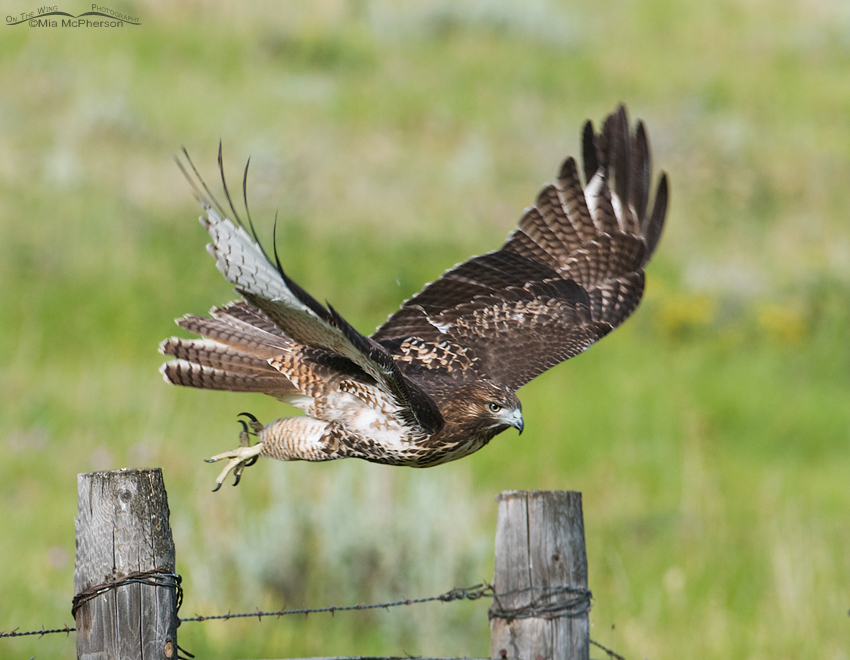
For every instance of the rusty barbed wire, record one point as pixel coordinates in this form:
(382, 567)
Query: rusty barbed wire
(579, 603)
(552, 603)
(157, 577)
(469, 593)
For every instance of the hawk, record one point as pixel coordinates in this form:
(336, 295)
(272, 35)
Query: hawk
(437, 381)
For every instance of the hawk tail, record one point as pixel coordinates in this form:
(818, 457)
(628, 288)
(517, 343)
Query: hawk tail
(232, 354)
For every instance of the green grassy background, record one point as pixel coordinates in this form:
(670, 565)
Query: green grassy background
(710, 435)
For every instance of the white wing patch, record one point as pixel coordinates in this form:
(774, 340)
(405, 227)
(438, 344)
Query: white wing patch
(442, 327)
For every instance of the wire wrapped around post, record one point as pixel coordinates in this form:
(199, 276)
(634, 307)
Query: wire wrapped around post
(553, 602)
(157, 577)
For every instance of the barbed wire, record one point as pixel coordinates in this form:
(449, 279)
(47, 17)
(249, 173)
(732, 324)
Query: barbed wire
(157, 577)
(14, 632)
(578, 603)
(469, 593)
(611, 654)
(551, 604)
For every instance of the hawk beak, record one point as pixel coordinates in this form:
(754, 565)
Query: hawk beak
(516, 421)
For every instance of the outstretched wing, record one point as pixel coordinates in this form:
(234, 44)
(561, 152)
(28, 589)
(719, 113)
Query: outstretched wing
(570, 273)
(263, 283)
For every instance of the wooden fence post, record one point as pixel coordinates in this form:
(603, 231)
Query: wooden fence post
(122, 530)
(539, 549)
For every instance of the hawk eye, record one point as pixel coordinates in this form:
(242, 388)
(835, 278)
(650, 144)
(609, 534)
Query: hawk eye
(494, 407)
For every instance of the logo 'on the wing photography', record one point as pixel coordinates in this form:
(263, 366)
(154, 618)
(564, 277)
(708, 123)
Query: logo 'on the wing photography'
(49, 16)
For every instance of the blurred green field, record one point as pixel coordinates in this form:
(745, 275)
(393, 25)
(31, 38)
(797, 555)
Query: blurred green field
(710, 435)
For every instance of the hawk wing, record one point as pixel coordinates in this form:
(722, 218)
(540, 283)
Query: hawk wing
(570, 273)
(263, 283)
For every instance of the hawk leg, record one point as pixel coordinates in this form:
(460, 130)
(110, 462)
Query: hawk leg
(288, 439)
(245, 456)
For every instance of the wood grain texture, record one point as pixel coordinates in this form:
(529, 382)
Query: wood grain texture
(539, 544)
(122, 526)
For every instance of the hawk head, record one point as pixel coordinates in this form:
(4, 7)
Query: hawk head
(484, 405)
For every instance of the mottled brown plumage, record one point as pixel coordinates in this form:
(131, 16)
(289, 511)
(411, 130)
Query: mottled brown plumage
(437, 381)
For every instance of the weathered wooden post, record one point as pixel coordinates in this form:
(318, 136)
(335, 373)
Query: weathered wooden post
(127, 592)
(541, 578)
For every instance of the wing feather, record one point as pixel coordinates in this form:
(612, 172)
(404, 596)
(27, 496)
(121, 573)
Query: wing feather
(570, 273)
(575, 203)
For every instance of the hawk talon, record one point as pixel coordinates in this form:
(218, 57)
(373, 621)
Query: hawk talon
(255, 424)
(240, 458)
(238, 471)
(244, 434)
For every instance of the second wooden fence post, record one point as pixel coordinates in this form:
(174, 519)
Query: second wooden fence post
(541, 577)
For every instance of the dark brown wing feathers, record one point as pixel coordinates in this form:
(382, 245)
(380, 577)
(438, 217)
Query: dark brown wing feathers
(570, 273)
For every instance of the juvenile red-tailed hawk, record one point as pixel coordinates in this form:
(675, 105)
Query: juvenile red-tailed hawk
(436, 382)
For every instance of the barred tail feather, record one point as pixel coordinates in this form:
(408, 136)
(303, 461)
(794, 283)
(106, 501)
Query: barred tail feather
(209, 353)
(189, 374)
(233, 353)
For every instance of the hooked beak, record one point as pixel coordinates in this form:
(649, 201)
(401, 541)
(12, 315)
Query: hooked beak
(516, 421)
